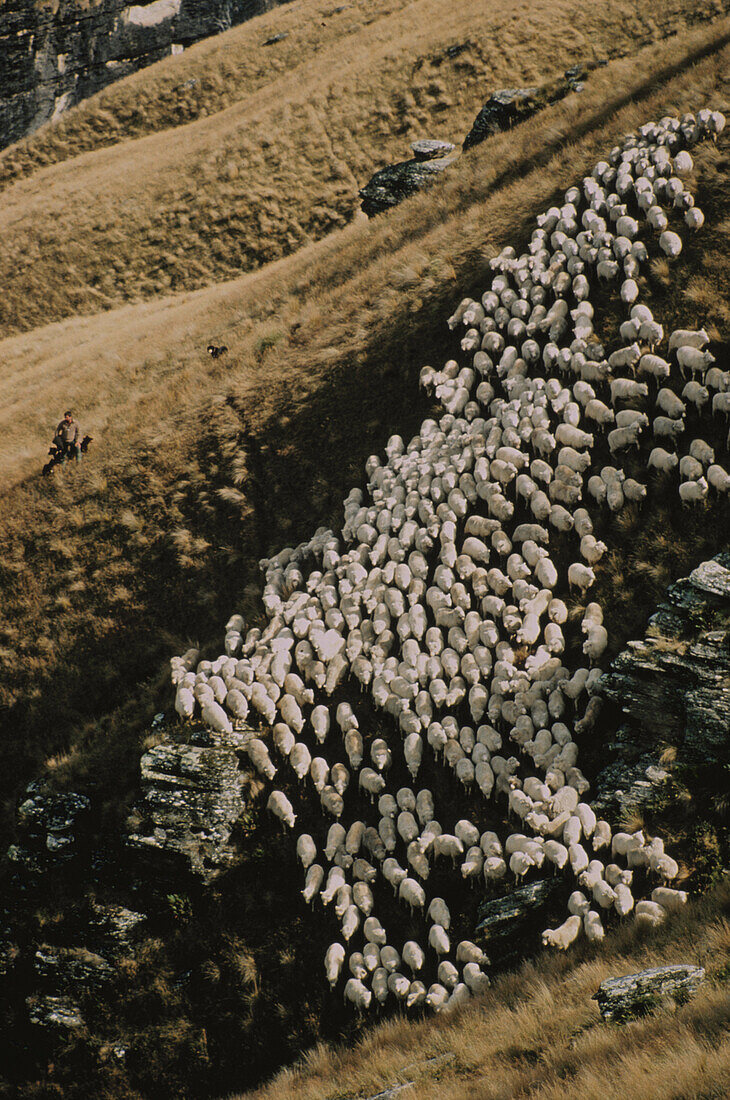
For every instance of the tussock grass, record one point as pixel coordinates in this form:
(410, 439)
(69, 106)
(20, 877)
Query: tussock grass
(287, 423)
(538, 1032)
(248, 183)
(200, 467)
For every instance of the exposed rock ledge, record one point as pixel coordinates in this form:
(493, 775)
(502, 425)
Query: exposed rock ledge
(633, 994)
(673, 687)
(192, 797)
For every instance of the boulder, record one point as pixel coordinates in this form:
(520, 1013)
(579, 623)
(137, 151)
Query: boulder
(55, 1013)
(69, 969)
(53, 56)
(509, 106)
(396, 182)
(503, 110)
(431, 149)
(635, 994)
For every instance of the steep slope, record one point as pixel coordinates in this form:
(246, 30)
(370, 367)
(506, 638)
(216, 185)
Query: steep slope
(256, 180)
(208, 466)
(56, 55)
(193, 482)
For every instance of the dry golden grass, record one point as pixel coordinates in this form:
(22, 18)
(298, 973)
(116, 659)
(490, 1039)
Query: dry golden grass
(256, 180)
(229, 68)
(538, 1033)
(200, 467)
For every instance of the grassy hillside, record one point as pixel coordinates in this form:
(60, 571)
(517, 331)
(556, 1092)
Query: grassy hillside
(200, 467)
(538, 1033)
(249, 183)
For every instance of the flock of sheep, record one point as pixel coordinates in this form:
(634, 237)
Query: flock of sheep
(440, 600)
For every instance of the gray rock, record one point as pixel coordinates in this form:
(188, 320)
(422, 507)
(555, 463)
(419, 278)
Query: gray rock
(391, 1092)
(51, 828)
(675, 684)
(71, 968)
(55, 1013)
(396, 182)
(431, 148)
(53, 56)
(503, 110)
(192, 799)
(636, 993)
(507, 923)
(510, 106)
(115, 927)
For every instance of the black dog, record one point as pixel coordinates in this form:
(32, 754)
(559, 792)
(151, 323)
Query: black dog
(56, 453)
(215, 351)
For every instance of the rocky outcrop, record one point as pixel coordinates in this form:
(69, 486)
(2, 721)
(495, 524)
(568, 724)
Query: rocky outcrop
(509, 926)
(635, 994)
(672, 687)
(192, 797)
(51, 829)
(396, 182)
(509, 106)
(54, 55)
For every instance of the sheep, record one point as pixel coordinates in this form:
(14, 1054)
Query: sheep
(721, 404)
(215, 717)
(410, 892)
(670, 244)
(333, 960)
(306, 850)
(693, 492)
(664, 866)
(564, 935)
(649, 914)
(600, 413)
(690, 469)
(671, 405)
(665, 427)
(718, 479)
(621, 438)
(691, 359)
(312, 882)
(625, 389)
(258, 754)
(371, 782)
(567, 435)
(357, 993)
(601, 836)
(580, 576)
(279, 805)
(653, 365)
(662, 460)
(697, 394)
(624, 358)
(437, 997)
(688, 338)
(331, 801)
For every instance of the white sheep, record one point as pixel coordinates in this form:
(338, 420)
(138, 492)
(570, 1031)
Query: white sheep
(688, 338)
(649, 913)
(693, 360)
(693, 492)
(670, 243)
(580, 576)
(357, 993)
(279, 805)
(564, 935)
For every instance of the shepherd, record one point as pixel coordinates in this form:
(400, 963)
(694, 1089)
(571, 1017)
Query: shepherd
(67, 437)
